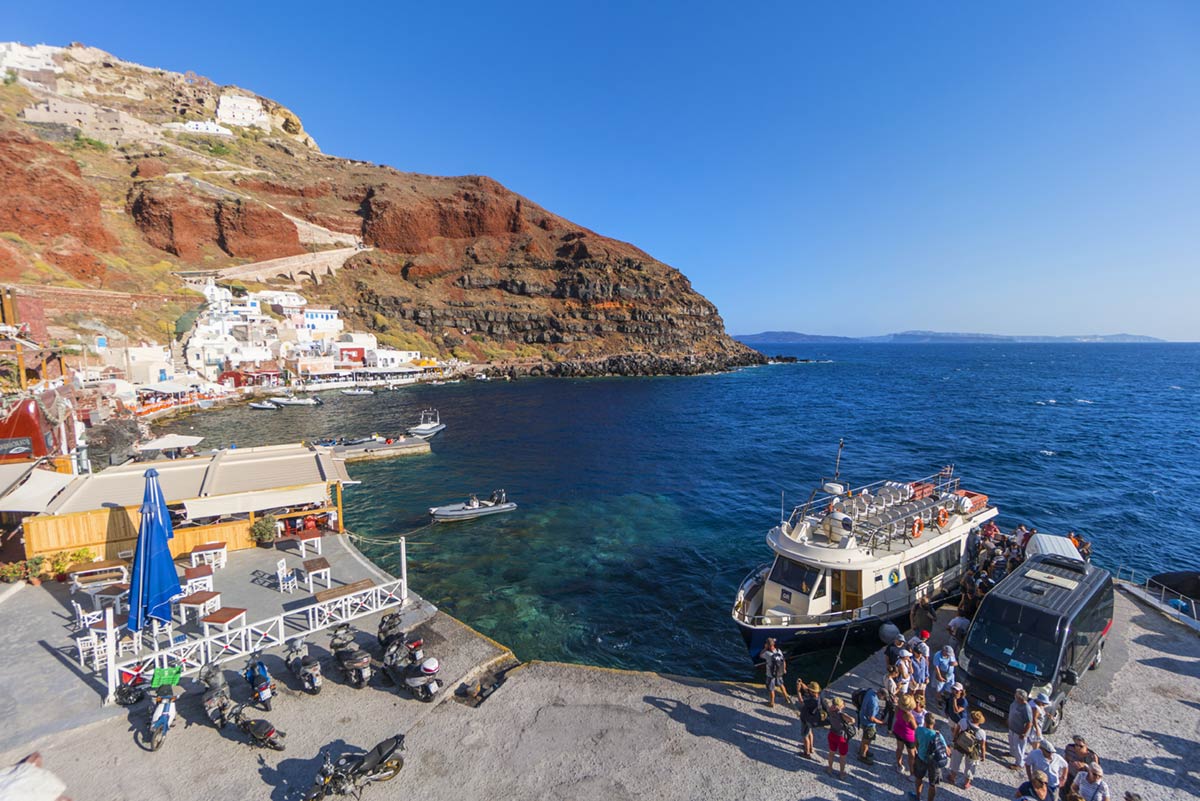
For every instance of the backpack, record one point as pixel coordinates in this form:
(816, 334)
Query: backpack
(857, 697)
(849, 730)
(940, 757)
(967, 742)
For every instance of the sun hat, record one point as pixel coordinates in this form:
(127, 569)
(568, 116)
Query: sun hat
(1041, 698)
(958, 686)
(905, 653)
(814, 687)
(1046, 746)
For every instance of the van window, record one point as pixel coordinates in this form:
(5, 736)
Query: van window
(1016, 636)
(1089, 626)
(796, 575)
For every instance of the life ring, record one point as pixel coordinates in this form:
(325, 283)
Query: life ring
(893, 577)
(918, 525)
(943, 517)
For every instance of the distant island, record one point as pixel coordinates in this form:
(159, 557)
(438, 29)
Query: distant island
(916, 337)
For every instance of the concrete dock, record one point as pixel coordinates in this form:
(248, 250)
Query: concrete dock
(368, 451)
(566, 731)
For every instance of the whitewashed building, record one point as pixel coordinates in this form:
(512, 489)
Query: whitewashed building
(29, 58)
(386, 358)
(245, 112)
(323, 323)
(203, 127)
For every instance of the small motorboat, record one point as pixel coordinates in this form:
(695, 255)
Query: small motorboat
(292, 400)
(430, 424)
(482, 377)
(358, 391)
(264, 406)
(496, 503)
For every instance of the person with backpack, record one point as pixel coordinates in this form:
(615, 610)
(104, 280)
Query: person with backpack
(841, 732)
(970, 749)
(870, 716)
(808, 697)
(776, 666)
(931, 757)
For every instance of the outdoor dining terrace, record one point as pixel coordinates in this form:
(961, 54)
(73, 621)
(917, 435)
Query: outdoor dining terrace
(67, 652)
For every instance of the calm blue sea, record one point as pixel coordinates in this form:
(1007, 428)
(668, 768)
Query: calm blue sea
(643, 502)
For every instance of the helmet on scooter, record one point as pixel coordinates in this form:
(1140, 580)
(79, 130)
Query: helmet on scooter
(430, 666)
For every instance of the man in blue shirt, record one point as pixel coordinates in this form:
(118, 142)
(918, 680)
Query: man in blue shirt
(870, 715)
(943, 672)
(925, 765)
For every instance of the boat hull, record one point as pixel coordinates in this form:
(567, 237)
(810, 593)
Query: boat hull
(461, 511)
(426, 432)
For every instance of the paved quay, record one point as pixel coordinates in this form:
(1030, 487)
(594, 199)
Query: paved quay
(554, 730)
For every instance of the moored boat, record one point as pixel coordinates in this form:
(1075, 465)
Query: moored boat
(473, 507)
(358, 391)
(850, 559)
(431, 423)
(265, 406)
(292, 400)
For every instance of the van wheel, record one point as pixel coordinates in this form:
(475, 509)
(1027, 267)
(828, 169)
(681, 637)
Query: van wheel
(1099, 656)
(1055, 718)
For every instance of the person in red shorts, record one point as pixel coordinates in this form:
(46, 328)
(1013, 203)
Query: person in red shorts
(839, 741)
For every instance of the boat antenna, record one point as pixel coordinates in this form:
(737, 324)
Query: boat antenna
(781, 517)
(837, 466)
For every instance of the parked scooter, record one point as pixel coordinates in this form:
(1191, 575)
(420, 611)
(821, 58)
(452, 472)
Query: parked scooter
(217, 701)
(162, 716)
(354, 661)
(262, 686)
(304, 667)
(352, 772)
(421, 679)
(400, 653)
(261, 732)
(391, 626)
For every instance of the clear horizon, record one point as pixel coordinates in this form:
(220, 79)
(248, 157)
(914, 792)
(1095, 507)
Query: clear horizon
(847, 172)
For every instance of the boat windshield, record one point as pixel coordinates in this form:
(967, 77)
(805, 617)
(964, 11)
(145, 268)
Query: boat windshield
(1017, 637)
(797, 575)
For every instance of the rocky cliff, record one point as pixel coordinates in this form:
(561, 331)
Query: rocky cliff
(456, 266)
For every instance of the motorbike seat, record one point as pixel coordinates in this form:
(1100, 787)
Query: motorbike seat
(377, 755)
(261, 729)
(307, 661)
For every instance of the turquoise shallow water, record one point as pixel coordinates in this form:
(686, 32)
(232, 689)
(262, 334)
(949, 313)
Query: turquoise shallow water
(643, 502)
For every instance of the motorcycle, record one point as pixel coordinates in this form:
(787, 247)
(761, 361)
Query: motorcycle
(351, 773)
(420, 679)
(261, 732)
(304, 667)
(354, 661)
(262, 686)
(399, 654)
(217, 701)
(162, 716)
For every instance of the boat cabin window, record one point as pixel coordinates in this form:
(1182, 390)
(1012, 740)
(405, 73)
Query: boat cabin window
(933, 565)
(797, 575)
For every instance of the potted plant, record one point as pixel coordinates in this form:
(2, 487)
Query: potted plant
(59, 563)
(80, 555)
(12, 571)
(263, 530)
(33, 569)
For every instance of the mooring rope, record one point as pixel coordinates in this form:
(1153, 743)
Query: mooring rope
(396, 541)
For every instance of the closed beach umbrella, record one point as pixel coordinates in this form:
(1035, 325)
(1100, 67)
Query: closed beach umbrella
(154, 582)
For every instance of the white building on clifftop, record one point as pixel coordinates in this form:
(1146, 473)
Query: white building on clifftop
(246, 112)
(26, 58)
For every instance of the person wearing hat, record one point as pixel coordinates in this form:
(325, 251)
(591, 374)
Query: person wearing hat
(892, 652)
(1047, 760)
(1041, 708)
(808, 698)
(956, 708)
(1020, 724)
(904, 670)
(1090, 784)
(943, 665)
(776, 666)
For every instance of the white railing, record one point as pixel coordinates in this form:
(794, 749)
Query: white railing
(262, 635)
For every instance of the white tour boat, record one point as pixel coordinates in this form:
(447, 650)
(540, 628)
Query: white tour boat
(431, 423)
(292, 400)
(850, 559)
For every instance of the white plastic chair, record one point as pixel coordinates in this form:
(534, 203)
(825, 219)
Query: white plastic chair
(84, 619)
(287, 578)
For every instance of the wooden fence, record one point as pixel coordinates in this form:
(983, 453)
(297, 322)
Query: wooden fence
(108, 532)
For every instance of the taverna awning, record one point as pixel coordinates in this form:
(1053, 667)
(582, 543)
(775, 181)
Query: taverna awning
(170, 442)
(244, 502)
(36, 493)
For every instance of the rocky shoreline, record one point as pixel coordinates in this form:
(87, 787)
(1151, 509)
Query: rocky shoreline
(629, 364)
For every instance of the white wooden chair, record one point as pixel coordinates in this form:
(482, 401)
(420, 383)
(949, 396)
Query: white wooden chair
(84, 619)
(287, 578)
(85, 643)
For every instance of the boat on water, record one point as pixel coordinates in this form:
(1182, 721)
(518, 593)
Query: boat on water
(292, 400)
(482, 377)
(431, 423)
(471, 508)
(264, 406)
(358, 391)
(850, 559)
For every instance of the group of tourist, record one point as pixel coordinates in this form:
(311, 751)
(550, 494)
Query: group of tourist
(920, 703)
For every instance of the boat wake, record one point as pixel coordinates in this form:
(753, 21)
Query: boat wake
(1048, 453)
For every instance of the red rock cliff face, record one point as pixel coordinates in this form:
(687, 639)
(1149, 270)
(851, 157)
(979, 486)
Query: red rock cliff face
(43, 196)
(184, 222)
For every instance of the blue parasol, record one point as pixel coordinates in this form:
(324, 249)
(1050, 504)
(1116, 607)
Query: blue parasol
(154, 582)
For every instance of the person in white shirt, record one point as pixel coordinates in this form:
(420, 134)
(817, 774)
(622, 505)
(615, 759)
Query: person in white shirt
(1090, 784)
(1050, 762)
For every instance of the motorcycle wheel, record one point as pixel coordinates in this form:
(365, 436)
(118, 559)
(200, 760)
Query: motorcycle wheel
(314, 689)
(157, 736)
(389, 770)
(316, 794)
(273, 743)
(267, 705)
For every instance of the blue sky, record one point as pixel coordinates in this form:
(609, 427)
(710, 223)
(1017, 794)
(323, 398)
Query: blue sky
(840, 168)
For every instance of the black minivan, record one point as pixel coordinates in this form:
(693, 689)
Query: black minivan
(1037, 630)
